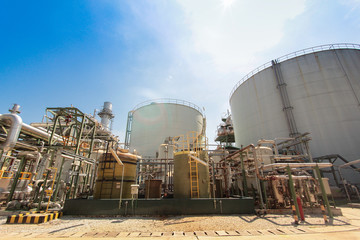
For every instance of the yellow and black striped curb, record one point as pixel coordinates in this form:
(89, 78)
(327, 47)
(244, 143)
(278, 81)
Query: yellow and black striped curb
(34, 217)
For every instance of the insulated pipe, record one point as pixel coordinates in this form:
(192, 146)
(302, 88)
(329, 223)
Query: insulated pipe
(271, 177)
(263, 141)
(21, 145)
(198, 160)
(14, 131)
(256, 163)
(259, 177)
(234, 154)
(38, 157)
(294, 165)
(350, 163)
(30, 130)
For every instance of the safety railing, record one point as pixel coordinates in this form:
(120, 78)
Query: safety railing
(192, 141)
(6, 174)
(293, 55)
(170, 100)
(25, 176)
(10, 174)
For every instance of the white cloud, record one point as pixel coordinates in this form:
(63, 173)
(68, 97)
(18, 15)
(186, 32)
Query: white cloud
(354, 11)
(231, 38)
(147, 93)
(212, 44)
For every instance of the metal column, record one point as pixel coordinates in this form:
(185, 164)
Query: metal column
(292, 191)
(325, 198)
(16, 178)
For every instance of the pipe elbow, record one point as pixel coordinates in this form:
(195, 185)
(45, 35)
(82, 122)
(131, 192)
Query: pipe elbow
(14, 130)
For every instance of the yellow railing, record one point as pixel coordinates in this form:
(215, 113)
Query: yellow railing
(10, 174)
(25, 176)
(192, 142)
(6, 174)
(49, 192)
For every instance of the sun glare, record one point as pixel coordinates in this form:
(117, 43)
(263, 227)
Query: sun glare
(227, 3)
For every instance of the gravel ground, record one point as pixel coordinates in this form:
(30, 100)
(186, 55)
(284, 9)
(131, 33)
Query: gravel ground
(175, 223)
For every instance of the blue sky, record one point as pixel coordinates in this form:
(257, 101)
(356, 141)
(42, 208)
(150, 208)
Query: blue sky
(57, 53)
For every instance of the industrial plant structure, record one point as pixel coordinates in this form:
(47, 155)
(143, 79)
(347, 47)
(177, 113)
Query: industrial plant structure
(44, 164)
(293, 121)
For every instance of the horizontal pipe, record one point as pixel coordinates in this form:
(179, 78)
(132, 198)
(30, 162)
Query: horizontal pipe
(238, 152)
(350, 163)
(36, 132)
(198, 160)
(21, 145)
(294, 165)
(271, 177)
(45, 125)
(263, 141)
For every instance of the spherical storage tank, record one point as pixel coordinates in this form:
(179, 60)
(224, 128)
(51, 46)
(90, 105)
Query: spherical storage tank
(314, 90)
(154, 122)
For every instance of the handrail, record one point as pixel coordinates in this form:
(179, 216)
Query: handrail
(9, 174)
(170, 100)
(25, 176)
(293, 55)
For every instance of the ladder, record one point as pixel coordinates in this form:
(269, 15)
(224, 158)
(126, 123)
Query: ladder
(194, 178)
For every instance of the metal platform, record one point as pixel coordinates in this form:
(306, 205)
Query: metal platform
(156, 207)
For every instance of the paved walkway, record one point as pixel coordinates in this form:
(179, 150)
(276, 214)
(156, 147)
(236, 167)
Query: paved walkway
(349, 232)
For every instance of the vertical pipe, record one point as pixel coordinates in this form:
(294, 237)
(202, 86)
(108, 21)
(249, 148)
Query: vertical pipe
(214, 180)
(137, 172)
(76, 180)
(302, 217)
(94, 170)
(58, 180)
(92, 141)
(264, 192)
(53, 131)
(325, 198)
(2, 159)
(87, 173)
(46, 178)
(80, 135)
(121, 186)
(16, 178)
(292, 191)
(43, 191)
(72, 180)
(343, 181)
(334, 175)
(166, 167)
(244, 175)
(308, 193)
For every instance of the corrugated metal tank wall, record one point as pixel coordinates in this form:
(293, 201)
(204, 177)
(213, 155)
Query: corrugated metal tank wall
(152, 124)
(109, 177)
(324, 91)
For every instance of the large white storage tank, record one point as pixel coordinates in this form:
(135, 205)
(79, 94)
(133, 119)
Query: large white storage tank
(322, 85)
(155, 121)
